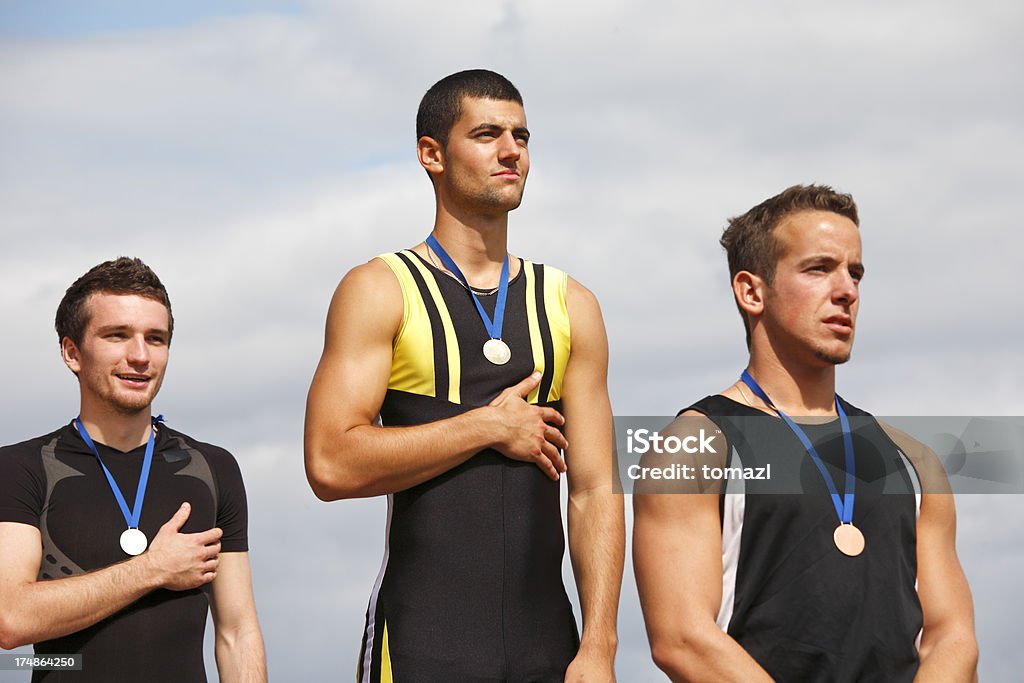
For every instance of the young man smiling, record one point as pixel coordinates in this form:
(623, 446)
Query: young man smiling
(856, 578)
(463, 352)
(117, 532)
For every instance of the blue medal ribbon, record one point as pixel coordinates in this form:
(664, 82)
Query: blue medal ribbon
(131, 517)
(493, 327)
(842, 504)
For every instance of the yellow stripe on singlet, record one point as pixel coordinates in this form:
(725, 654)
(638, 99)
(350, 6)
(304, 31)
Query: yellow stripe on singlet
(536, 345)
(556, 283)
(412, 365)
(451, 341)
(385, 659)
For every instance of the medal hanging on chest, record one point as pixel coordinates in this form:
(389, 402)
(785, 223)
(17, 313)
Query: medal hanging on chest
(847, 538)
(132, 540)
(495, 350)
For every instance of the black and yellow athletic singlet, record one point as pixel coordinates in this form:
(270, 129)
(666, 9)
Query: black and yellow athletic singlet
(471, 584)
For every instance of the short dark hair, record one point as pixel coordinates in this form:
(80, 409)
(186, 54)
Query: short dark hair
(441, 106)
(123, 275)
(750, 243)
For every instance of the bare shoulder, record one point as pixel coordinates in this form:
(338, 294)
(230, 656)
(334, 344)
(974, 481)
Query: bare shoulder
(579, 297)
(699, 442)
(368, 296)
(689, 421)
(927, 464)
(373, 279)
(585, 320)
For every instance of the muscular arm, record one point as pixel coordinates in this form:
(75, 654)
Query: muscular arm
(595, 511)
(32, 611)
(239, 643)
(347, 456)
(949, 650)
(677, 558)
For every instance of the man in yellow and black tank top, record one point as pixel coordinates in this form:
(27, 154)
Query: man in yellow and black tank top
(483, 369)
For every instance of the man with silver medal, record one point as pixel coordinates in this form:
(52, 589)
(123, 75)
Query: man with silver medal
(446, 383)
(118, 533)
(845, 568)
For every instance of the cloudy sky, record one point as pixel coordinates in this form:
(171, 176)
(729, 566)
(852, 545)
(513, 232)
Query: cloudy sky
(253, 152)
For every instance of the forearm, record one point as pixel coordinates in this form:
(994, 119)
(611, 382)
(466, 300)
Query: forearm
(704, 653)
(42, 610)
(240, 655)
(368, 460)
(597, 547)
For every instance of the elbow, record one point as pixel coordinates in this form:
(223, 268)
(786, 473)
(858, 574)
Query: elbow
(973, 656)
(678, 656)
(328, 493)
(670, 656)
(957, 647)
(968, 645)
(328, 481)
(10, 637)
(324, 488)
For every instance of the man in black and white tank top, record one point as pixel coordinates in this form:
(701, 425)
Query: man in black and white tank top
(819, 546)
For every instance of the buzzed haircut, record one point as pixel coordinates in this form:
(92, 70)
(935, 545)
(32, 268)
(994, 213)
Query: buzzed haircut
(441, 106)
(123, 275)
(750, 243)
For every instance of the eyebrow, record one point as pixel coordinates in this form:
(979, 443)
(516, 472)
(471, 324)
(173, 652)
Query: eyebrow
(519, 131)
(107, 329)
(856, 266)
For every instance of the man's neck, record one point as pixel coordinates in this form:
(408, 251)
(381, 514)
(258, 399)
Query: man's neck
(477, 244)
(795, 389)
(118, 430)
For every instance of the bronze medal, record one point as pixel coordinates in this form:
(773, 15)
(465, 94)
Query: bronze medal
(848, 539)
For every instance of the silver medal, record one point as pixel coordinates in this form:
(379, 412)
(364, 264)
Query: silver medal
(133, 541)
(497, 351)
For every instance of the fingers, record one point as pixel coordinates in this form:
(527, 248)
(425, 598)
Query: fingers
(179, 518)
(552, 455)
(207, 537)
(547, 468)
(551, 416)
(549, 461)
(524, 388)
(555, 438)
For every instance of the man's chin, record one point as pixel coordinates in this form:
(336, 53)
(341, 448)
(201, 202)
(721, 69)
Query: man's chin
(833, 357)
(133, 405)
(503, 202)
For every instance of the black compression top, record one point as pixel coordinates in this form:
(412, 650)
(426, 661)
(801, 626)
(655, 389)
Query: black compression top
(54, 482)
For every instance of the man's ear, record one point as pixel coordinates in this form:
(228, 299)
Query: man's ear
(71, 355)
(749, 290)
(431, 155)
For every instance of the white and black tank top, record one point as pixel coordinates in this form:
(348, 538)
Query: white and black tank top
(800, 607)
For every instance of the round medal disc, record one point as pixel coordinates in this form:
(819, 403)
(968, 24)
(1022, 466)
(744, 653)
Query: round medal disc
(497, 351)
(848, 539)
(133, 541)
